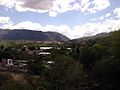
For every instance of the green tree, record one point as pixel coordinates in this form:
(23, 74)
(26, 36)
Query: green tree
(115, 44)
(108, 68)
(87, 57)
(2, 47)
(99, 51)
(108, 74)
(65, 73)
(35, 66)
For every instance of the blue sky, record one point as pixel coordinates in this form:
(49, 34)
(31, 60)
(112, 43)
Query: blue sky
(73, 18)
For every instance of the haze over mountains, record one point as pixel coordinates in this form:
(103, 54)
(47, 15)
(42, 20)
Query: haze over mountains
(24, 34)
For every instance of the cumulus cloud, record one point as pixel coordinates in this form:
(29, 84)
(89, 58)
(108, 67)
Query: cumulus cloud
(28, 5)
(63, 29)
(8, 3)
(96, 5)
(27, 25)
(101, 17)
(81, 5)
(5, 20)
(38, 4)
(100, 5)
(56, 6)
(52, 13)
(62, 6)
(107, 15)
(117, 12)
(94, 28)
(83, 2)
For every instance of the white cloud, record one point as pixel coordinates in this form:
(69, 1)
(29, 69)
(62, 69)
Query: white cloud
(24, 25)
(5, 20)
(93, 19)
(39, 6)
(52, 13)
(117, 12)
(85, 7)
(63, 29)
(56, 6)
(85, 30)
(83, 2)
(107, 15)
(28, 5)
(8, 3)
(62, 6)
(100, 5)
(102, 17)
(99, 18)
(27, 25)
(94, 28)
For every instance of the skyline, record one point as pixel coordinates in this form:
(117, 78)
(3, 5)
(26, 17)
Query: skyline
(73, 18)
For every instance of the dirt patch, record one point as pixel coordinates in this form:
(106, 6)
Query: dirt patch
(17, 77)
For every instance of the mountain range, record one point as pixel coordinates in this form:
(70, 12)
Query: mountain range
(24, 34)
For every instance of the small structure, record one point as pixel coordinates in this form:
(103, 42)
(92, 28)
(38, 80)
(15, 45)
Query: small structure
(7, 62)
(50, 62)
(45, 48)
(21, 65)
(7, 65)
(44, 53)
(47, 64)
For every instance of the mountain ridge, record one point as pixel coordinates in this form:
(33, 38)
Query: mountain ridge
(26, 34)
(85, 39)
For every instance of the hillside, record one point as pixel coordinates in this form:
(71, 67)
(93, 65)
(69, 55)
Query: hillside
(85, 39)
(24, 34)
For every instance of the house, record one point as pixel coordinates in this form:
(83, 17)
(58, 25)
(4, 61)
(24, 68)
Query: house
(46, 48)
(47, 64)
(16, 66)
(44, 53)
(21, 65)
(7, 65)
(7, 62)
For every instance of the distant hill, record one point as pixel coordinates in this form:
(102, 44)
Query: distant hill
(24, 34)
(85, 39)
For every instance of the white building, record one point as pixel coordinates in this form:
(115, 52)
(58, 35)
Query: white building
(7, 62)
(45, 48)
(44, 53)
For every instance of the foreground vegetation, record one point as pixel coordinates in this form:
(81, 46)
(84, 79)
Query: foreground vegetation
(92, 65)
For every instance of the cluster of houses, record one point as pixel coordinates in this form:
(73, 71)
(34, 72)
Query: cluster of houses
(21, 65)
(40, 51)
(13, 65)
(43, 50)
